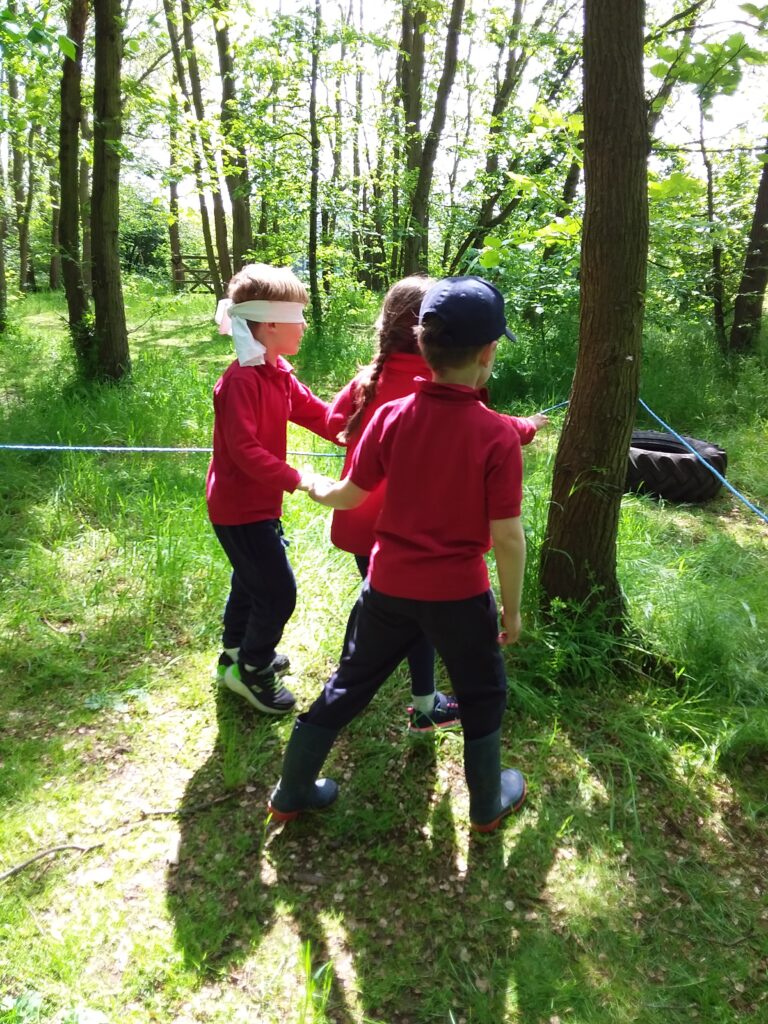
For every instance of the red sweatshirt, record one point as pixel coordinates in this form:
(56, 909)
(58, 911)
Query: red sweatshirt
(248, 472)
(452, 466)
(353, 530)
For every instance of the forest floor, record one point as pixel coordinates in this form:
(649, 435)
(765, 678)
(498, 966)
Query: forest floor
(631, 887)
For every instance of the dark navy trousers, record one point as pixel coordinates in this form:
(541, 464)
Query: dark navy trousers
(464, 634)
(421, 657)
(262, 597)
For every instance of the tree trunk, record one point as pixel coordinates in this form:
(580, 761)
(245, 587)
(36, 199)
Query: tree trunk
(86, 134)
(174, 236)
(209, 157)
(328, 218)
(748, 308)
(3, 238)
(314, 180)
(489, 215)
(416, 254)
(69, 183)
(578, 562)
(26, 265)
(235, 162)
(356, 163)
(112, 357)
(205, 224)
(54, 192)
(716, 287)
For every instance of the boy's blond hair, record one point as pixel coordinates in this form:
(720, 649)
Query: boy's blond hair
(261, 281)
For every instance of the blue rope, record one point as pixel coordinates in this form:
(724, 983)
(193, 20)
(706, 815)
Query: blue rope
(135, 448)
(552, 408)
(340, 455)
(701, 458)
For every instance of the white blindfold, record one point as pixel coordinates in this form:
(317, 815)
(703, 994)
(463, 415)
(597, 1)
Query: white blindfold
(233, 317)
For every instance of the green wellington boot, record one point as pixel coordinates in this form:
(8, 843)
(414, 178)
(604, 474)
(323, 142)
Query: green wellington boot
(493, 793)
(299, 788)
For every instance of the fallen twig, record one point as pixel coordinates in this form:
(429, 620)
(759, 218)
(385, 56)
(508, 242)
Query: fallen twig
(45, 853)
(183, 812)
(176, 812)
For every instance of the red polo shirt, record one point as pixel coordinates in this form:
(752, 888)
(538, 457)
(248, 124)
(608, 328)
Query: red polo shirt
(248, 472)
(451, 465)
(352, 529)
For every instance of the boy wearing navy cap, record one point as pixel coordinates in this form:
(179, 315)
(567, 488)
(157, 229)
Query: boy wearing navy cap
(454, 475)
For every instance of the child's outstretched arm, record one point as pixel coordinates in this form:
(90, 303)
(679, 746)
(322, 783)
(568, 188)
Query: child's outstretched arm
(509, 544)
(341, 494)
(528, 426)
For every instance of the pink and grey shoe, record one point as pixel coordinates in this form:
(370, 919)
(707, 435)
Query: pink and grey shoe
(444, 716)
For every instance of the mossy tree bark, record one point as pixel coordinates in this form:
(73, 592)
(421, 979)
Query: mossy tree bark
(578, 561)
(113, 360)
(70, 190)
(748, 308)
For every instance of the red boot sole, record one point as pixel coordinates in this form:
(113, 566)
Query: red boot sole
(493, 825)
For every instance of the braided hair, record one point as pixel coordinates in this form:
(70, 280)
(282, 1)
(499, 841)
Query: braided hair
(395, 333)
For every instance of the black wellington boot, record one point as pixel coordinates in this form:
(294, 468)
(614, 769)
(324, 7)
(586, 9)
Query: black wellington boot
(299, 788)
(493, 793)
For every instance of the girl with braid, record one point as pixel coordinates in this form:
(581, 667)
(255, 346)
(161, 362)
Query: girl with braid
(392, 374)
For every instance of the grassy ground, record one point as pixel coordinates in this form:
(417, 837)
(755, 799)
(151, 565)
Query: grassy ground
(631, 887)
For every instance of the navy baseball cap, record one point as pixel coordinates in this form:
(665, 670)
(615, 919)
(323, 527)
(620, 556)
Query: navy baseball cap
(471, 307)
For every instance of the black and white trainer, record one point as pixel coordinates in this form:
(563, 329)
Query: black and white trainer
(261, 688)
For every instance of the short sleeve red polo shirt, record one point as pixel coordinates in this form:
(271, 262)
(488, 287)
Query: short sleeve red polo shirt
(451, 465)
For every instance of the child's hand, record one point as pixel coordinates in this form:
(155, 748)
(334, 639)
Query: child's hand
(511, 627)
(320, 487)
(539, 420)
(307, 476)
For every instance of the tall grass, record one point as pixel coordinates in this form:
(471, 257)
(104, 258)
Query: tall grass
(624, 891)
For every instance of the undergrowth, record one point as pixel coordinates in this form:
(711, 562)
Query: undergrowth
(630, 888)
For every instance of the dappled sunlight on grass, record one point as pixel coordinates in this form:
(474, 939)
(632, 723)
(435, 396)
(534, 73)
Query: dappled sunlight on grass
(631, 883)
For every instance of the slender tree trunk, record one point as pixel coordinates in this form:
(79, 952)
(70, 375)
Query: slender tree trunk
(328, 217)
(54, 192)
(174, 236)
(515, 58)
(416, 254)
(26, 265)
(235, 162)
(578, 562)
(112, 356)
(411, 62)
(3, 239)
(356, 163)
(716, 287)
(209, 157)
(205, 224)
(748, 308)
(69, 182)
(17, 173)
(86, 135)
(314, 180)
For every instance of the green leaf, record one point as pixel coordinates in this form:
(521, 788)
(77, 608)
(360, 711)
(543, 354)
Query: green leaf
(489, 258)
(677, 184)
(521, 180)
(37, 36)
(67, 47)
(491, 242)
(560, 231)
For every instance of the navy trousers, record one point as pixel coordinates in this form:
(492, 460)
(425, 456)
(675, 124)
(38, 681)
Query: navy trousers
(263, 590)
(421, 657)
(464, 633)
